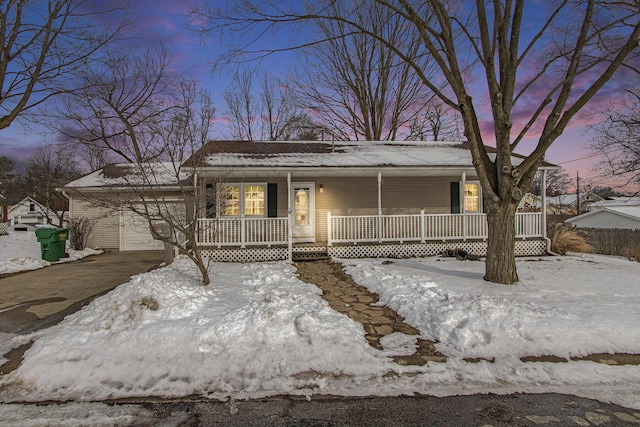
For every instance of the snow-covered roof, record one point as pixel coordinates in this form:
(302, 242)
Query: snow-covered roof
(627, 214)
(628, 211)
(339, 154)
(131, 174)
(616, 201)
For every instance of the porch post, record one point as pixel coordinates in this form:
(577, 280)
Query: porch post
(243, 235)
(543, 185)
(422, 228)
(329, 229)
(464, 210)
(289, 225)
(379, 207)
(196, 211)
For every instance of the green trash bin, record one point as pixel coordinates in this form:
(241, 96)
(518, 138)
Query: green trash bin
(52, 243)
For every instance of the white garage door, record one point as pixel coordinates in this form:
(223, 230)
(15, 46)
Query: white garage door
(135, 234)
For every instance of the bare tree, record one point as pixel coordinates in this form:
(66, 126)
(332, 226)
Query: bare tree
(134, 109)
(355, 84)
(436, 122)
(242, 107)
(545, 72)
(48, 170)
(123, 101)
(558, 182)
(617, 138)
(269, 112)
(44, 43)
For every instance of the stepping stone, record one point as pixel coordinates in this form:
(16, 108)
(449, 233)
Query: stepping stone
(347, 297)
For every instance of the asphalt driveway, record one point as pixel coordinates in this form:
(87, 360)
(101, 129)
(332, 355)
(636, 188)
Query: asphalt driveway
(41, 298)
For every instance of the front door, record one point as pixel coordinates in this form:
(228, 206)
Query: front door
(303, 215)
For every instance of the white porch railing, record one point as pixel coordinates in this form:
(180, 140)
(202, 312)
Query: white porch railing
(421, 227)
(360, 229)
(243, 231)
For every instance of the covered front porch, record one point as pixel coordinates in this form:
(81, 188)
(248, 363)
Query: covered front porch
(392, 236)
(306, 228)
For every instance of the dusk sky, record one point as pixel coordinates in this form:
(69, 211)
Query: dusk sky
(166, 20)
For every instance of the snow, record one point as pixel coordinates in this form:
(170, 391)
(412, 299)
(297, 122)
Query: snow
(257, 330)
(20, 251)
(130, 175)
(351, 154)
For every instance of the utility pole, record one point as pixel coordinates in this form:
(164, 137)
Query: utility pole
(578, 192)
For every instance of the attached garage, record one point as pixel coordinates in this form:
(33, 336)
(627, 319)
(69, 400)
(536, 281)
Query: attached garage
(135, 234)
(106, 198)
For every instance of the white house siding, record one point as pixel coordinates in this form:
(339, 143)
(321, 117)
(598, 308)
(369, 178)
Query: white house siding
(135, 234)
(399, 195)
(605, 219)
(106, 228)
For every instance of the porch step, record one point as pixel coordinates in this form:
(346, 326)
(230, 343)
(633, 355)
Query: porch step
(319, 255)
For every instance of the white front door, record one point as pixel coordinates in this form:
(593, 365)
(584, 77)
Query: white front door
(303, 215)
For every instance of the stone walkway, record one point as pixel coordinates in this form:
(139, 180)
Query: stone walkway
(347, 297)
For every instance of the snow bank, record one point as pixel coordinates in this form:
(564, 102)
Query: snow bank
(564, 306)
(20, 251)
(256, 329)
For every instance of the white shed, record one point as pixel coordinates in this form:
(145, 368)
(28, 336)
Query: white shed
(622, 217)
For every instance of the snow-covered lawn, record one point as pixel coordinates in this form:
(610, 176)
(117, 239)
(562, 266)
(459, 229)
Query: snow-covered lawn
(257, 330)
(20, 251)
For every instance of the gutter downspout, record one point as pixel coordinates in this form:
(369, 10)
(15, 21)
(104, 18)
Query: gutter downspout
(463, 207)
(379, 207)
(543, 186)
(289, 220)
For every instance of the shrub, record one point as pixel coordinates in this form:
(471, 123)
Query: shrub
(80, 230)
(634, 253)
(567, 239)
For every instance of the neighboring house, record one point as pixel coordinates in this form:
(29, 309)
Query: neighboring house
(28, 213)
(104, 197)
(610, 217)
(568, 203)
(615, 202)
(530, 203)
(283, 200)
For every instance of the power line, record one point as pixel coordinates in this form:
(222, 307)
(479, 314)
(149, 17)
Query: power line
(581, 158)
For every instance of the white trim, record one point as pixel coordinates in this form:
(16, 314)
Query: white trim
(463, 208)
(312, 212)
(241, 199)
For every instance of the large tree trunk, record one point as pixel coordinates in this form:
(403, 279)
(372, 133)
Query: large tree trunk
(500, 266)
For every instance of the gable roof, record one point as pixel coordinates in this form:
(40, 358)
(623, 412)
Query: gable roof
(161, 174)
(26, 202)
(338, 154)
(629, 212)
(615, 201)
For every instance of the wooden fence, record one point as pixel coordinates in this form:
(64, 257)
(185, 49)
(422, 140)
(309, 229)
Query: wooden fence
(613, 242)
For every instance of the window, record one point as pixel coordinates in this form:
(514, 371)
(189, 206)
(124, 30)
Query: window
(254, 200)
(230, 198)
(472, 197)
(245, 199)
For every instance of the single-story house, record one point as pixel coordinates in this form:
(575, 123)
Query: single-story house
(610, 217)
(110, 196)
(568, 203)
(614, 202)
(279, 200)
(27, 214)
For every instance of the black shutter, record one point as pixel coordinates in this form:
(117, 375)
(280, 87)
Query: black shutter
(272, 200)
(210, 200)
(455, 197)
